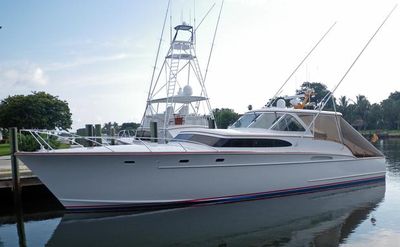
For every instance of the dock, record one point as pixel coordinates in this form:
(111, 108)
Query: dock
(27, 178)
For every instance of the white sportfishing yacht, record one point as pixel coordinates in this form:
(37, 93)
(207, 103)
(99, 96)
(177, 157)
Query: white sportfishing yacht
(271, 152)
(267, 153)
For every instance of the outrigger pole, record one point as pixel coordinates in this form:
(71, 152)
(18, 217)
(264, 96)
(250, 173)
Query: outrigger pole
(209, 59)
(208, 12)
(155, 63)
(328, 96)
(298, 66)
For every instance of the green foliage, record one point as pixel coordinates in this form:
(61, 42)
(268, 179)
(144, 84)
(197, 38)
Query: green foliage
(106, 129)
(5, 149)
(108, 126)
(225, 117)
(362, 115)
(129, 126)
(391, 111)
(320, 91)
(38, 110)
(27, 143)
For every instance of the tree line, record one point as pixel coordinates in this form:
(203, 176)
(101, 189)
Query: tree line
(360, 113)
(40, 110)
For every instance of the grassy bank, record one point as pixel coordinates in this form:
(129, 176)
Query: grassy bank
(4, 149)
(381, 133)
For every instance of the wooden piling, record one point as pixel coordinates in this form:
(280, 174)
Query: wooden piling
(112, 134)
(13, 137)
(14, 161)
(97, 129)
(211, 123)
(90, 134)
(153, 131)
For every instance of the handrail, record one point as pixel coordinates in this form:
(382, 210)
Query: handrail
(42, 142)
(37, 132)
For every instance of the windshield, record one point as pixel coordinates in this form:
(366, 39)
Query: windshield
(265, 120)
(245, 120)
(288, 123)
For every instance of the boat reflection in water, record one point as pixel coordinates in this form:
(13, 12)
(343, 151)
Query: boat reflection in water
(317, 219)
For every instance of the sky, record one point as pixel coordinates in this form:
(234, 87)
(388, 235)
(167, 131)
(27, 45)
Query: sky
(98, 54)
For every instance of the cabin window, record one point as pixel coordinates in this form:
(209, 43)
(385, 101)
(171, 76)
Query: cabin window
(205, 139)
(252, 143)
(233, 142)
(288, 123)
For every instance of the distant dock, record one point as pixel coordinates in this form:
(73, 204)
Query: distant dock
(382, 134)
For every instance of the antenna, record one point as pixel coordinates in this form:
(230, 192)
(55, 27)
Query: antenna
(298, 66)
(170, 25)
(155, 63)
(328, 96)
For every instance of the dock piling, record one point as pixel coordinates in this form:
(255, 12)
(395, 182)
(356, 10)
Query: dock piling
(153, 132)
(14, 161)
(90, 134)
(13, 137)
(112, 134)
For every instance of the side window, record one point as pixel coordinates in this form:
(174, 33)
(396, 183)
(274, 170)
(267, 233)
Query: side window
(288, 123)
(183, 137)
(205, 139)
(252, 143)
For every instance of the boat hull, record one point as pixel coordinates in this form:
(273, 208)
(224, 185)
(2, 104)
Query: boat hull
(102, 181)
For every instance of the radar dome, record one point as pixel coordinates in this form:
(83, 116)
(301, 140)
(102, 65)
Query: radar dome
(281, 103)
(187, 90)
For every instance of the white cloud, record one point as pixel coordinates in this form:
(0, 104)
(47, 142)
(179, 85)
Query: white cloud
(87, 61)
(22, 75)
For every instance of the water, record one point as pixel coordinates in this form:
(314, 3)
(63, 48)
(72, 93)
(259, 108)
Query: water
(362, 216)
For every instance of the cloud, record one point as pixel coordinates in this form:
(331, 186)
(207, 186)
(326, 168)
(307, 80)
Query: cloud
(22, 75)
(87, 61)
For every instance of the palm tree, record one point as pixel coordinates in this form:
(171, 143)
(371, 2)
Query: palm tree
(362, 108)
(343, 101)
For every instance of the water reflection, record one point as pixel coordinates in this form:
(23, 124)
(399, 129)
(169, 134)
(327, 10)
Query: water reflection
(391, 149)
(318, 219)
(351, 217)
